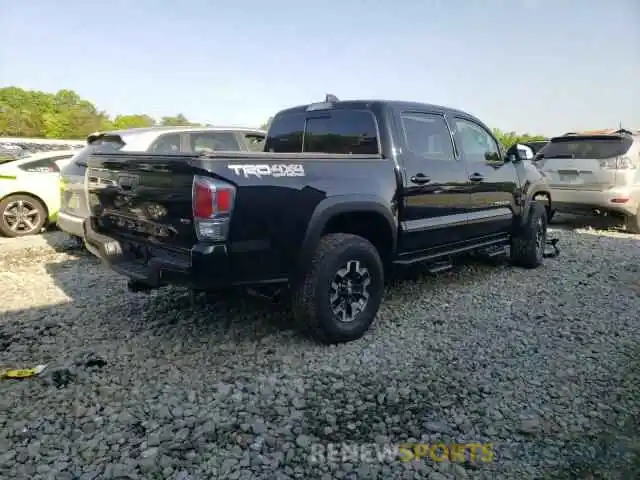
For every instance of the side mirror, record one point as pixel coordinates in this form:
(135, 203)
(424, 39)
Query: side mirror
(519, 152)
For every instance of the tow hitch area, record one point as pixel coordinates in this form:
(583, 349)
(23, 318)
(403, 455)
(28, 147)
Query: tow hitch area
(554, 251)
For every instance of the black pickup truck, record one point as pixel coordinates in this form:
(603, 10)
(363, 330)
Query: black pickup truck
(343, 191)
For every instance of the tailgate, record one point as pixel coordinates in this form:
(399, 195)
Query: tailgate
(142, 197)
(578, 173)
(584, 162)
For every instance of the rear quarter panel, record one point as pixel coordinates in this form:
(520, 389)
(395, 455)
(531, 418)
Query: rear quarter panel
(273, 216)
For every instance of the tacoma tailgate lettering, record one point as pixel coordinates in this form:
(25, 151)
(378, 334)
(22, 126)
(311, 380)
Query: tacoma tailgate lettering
(261, 170)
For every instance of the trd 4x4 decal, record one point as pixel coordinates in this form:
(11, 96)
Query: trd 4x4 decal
(259, 171)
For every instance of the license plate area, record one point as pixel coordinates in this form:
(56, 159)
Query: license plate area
(569, 176)
(136, 252)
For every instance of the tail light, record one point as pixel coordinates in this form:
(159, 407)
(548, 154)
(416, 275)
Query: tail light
(617, 163)
(212, 202)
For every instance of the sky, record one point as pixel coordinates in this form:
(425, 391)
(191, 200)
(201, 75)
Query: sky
(537, 66)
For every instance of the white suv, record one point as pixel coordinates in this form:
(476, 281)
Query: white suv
(73, 203)
(595, 174)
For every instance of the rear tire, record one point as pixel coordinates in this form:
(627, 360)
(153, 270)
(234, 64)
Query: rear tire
(21, 215)
(340, 294)
(527, 247)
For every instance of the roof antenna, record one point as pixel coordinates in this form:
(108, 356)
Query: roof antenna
(330, 98)
(623, 130)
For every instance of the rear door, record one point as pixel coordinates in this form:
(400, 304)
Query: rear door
(493, 184)
(435, 203)
(587, 162)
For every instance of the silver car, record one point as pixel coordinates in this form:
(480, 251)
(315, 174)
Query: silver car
(73, 202)
(595, 174)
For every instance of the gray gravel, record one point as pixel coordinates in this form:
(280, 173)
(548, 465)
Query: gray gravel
(542, 364)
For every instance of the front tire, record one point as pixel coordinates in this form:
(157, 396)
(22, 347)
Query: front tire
(528, 245)
(21, 215)
(339, 296)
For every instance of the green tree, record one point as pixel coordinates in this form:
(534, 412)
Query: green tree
(510, 138)
(177, 121)
(132, 121)
(31, 113)
(265, 126)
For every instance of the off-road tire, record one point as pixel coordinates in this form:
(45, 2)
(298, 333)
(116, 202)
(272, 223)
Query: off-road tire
(526, 251)
(310, 296)
(633, 222)
(37, 205)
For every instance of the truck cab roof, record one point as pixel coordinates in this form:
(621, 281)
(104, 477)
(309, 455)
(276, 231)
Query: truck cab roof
(396, 105)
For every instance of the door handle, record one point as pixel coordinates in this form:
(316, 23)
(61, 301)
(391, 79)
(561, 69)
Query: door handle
(476, 177)
(420, 179)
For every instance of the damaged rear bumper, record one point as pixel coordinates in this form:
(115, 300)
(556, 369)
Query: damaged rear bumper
(149, 266)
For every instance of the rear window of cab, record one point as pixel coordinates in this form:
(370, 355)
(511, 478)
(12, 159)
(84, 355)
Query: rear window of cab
(342, 132)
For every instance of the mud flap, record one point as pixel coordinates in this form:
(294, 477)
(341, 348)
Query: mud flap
(554, 251)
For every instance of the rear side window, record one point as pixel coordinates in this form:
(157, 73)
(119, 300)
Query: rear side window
(285, 134)
(427, 135)
(586, 147)
(342, 132)
(206, 142)
(46, 165)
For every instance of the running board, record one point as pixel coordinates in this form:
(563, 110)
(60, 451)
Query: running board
(497, 251)
(487, 244)
(440, 267)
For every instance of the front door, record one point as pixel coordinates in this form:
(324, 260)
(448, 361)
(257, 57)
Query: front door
(435, 201)
(493, 182)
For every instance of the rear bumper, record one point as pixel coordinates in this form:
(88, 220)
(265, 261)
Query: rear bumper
(204, 267)
(71, 224)
(593, 201)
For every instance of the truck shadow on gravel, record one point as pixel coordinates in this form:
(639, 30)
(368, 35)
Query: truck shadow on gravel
(235, 316)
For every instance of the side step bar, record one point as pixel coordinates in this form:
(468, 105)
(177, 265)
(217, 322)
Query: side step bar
(470, 247)
(438, 267)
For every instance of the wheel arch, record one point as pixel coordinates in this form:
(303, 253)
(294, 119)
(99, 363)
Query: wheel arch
(539, 194)
(366, 216)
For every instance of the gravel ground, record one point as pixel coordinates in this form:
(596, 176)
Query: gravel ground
(542, 364)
